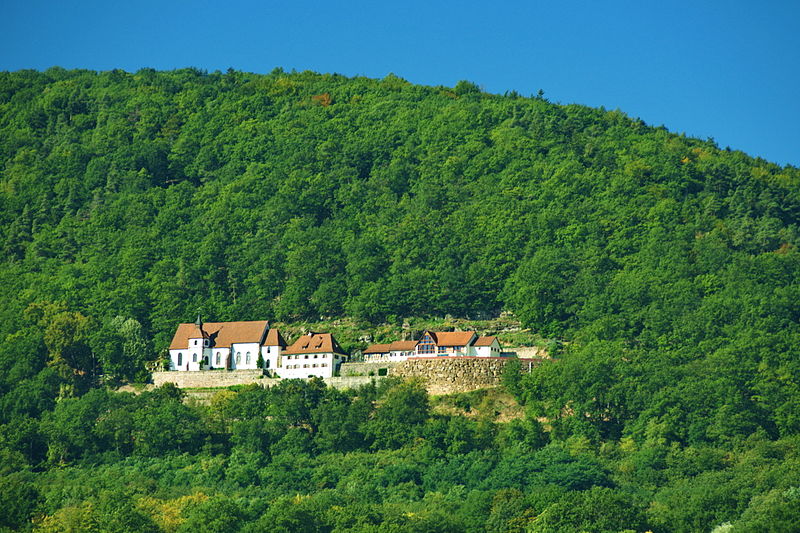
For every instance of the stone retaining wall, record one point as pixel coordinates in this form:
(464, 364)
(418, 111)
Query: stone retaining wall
(214, 378)
(365, 368)
(446, 375)
(209, 378)
(441, 375)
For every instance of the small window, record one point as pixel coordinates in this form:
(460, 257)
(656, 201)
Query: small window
(238, 357)
(266, 363)
(195, 342)
(305, 365)
(315, 356)
(306, 357)
(314, 365)
(218, 359)
(194, 358)
(324, 364)
(180, 359)
(247, 358)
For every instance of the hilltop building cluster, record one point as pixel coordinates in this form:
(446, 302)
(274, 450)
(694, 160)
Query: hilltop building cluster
(436, 344)
(253, 344)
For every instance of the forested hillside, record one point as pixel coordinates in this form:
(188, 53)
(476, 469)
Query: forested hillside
(668, 266)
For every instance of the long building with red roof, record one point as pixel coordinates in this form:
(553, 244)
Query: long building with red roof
(436, 344)
(313, 354)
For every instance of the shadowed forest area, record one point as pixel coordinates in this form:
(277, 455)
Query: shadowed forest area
(665, 267)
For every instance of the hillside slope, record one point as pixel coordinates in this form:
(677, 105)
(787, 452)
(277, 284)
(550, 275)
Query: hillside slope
(668, 266)
(152, 195)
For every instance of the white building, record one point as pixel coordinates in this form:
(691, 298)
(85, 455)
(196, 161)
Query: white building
(395, 351)
(228, 345)
(312, 355)
(486, 347)
(435, 344)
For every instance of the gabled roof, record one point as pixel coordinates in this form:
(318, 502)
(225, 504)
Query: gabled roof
(274, 338)
(221, 334)
(452, 338)
(402, 346)
(485, 341)
(314, 343)
(377, 348)
(396, 346)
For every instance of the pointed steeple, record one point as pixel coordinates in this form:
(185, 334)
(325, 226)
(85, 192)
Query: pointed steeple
(199, 322)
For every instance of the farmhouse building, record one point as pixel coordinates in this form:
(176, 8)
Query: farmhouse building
(312, 355)
(435, 344)
(395, 351)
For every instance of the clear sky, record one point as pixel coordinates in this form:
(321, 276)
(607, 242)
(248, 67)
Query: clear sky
(723, 69)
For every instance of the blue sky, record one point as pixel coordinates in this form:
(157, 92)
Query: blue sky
(727, 70)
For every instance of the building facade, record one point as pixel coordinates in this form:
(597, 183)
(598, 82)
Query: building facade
(225, 345)
(436, 344)
(312, 355)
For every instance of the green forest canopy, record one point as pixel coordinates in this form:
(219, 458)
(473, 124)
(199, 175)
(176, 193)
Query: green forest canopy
(669, 266)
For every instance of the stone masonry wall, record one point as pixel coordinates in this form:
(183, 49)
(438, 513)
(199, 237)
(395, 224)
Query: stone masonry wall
(441, 375)
(209, 378)
(364, 369)
(446, 375)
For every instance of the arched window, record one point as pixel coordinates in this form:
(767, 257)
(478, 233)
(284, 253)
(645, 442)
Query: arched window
(238, 358)
(217, 363)
(194, 358)
(247, 358)
(266, 363)
(180, 359)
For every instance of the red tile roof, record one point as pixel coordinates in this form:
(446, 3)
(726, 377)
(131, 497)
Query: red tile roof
(452, 338)
(221, 334)
(396, 346)
(314, 343)
(402, 346)
(377, 348)
(485, 341)
(274, 338)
